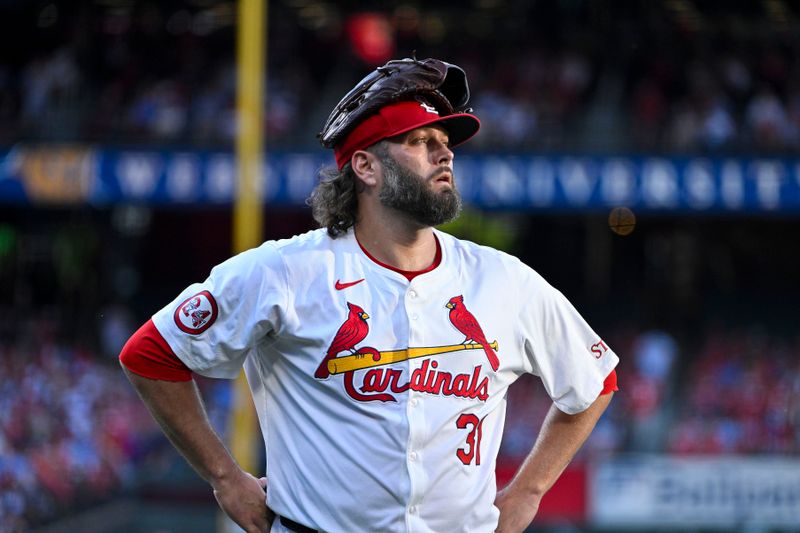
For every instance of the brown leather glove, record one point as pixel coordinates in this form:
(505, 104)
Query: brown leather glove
(441, 84)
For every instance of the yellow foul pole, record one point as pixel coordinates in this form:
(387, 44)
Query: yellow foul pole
(247, 217)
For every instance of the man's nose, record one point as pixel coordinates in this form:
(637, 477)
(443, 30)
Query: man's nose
(442, 154)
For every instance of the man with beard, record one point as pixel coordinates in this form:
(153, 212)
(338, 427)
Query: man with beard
(378, 350)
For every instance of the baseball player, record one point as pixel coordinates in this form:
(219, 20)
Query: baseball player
(378, 349)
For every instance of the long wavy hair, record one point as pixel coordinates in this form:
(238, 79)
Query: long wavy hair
(334, 201)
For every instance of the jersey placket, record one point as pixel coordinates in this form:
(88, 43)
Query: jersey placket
(415, 413)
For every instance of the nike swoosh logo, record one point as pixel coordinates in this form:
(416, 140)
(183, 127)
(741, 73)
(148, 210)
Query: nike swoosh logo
(340, 286)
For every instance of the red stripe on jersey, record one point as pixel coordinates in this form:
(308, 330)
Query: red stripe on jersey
(610, 384)
(409, 274)
(147, 354)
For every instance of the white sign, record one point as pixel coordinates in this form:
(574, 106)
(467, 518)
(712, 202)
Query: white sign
(725, 492)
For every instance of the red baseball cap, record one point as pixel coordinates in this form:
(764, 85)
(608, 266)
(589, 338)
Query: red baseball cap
(402, 117)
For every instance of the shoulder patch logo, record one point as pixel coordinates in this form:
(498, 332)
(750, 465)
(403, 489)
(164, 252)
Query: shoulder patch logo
(196, 313)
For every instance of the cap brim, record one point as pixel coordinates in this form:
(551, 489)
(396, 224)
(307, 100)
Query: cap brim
(399, 118)
(460, 127)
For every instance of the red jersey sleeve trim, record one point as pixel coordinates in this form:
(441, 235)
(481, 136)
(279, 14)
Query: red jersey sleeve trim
(610, 384)
(147, 354)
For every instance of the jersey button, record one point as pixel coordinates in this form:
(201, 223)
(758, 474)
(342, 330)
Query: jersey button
(412, 509)
(414, 402)
(412, 294)
(414, 316)
(413, 456)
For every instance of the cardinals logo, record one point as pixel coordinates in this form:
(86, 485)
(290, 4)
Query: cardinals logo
(381, 383)
(196, 313)
(353, 331)
(428, 108)
(465, 322)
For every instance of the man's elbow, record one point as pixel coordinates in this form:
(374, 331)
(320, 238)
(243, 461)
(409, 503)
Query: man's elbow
(601, 403)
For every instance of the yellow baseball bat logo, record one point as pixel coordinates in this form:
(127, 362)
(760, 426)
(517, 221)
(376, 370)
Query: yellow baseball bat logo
(371, 358)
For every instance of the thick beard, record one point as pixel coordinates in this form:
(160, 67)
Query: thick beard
(409, 193)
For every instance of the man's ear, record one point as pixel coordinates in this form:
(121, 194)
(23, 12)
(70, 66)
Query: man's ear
(365, 166)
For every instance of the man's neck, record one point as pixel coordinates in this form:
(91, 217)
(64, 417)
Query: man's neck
(397, 244)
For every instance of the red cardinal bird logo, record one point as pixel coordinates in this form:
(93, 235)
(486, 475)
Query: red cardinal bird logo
(465, 322)
(353, 331)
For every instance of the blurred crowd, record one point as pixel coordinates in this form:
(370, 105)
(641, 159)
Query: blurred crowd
(581, 75)
(71, 431)
(740, 395)
(737, 392)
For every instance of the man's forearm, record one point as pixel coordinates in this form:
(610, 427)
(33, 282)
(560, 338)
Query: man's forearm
(560, 438)
(178, 409)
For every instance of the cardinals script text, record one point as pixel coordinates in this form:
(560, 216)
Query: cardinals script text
(426, 379)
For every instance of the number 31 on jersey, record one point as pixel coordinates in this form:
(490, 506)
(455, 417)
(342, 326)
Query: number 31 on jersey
(472, 451)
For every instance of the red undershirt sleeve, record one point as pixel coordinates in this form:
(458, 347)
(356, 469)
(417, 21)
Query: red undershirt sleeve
(610, 384)
(147, 354)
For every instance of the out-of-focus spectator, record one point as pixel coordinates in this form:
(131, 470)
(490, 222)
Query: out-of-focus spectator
(684, 126)
(117, 324)
(70, 430)
(655, 352)
(649, 389)
(165, 73)
(737, 398)
(50, 86)
(718, 128)
(648, 113)
(766, 119)
(159, 111)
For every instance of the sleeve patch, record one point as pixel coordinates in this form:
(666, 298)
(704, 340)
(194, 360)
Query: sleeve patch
(197, 313)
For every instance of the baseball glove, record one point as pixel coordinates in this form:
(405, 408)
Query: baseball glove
(441, 84)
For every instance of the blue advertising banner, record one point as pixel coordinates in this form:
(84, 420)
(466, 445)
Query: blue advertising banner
(67, 175)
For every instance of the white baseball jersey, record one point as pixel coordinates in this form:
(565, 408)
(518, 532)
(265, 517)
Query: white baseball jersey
(382, 401)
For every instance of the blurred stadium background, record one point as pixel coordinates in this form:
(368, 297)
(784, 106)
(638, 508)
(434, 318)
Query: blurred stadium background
(117, 127)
